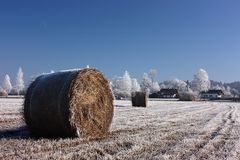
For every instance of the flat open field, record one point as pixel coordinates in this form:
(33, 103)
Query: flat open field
(165, 130)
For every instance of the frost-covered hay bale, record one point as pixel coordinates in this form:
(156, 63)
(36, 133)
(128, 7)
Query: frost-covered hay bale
(187, 97)
(139, 99)
(67, 104)
(3, 93)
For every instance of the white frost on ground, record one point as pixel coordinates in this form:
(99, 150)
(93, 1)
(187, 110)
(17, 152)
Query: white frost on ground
(10, 109)
(164, 130)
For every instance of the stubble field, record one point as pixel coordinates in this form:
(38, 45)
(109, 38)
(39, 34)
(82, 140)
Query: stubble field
(164, 130)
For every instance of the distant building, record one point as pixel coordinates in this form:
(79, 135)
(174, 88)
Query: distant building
(212, 94)
(165, 93)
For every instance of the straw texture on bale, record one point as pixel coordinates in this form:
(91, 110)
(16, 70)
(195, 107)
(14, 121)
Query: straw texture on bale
(139, 99)
(3, 93)
(68, 104)
(187, 97)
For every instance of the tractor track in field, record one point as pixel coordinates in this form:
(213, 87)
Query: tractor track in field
(165, 130)
(201, 145)
(217, 138)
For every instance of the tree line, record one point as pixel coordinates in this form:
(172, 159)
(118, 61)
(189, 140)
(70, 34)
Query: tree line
(123, 86)
(17, 89)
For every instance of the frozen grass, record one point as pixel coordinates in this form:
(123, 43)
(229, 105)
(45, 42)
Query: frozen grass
(165, 130)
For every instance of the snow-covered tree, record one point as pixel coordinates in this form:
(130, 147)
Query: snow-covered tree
(227, 92)
(135, 85)
(155, 87)
(235, 92)
(122, 86)
(19, 81)
(152, 74)
(178, 84)
(127, 84)
(6, 85)
(162, 86)
(148, 85)
(111, 88)
(201, 81)
(116, 86)
(218, 87)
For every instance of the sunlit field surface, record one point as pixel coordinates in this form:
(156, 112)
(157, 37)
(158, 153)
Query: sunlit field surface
(164, 130)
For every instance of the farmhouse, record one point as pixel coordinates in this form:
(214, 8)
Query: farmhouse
(211, 94)
(165, 93)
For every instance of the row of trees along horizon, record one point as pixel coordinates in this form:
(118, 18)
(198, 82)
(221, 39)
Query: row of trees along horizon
(8, 89)
(123, 86)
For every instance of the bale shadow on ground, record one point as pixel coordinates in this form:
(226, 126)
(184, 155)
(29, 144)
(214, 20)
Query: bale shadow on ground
(120, 106)
(23, 133)
(15, 133)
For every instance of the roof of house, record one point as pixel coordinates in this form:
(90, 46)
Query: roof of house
(213, 91)
(168, 91)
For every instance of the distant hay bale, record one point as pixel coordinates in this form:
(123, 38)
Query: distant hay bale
(187, 97)
(68, 104)
(3, 93)
(139, 99)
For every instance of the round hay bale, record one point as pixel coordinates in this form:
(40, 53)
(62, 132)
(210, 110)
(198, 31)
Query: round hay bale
(187, 97)
(139, 99)
(68, 104)
(3, 93)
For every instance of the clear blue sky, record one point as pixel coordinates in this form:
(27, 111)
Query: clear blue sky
(176, 37)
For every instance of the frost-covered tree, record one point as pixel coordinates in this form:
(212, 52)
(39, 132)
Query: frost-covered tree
(116, 86)
(155, 87)
(19, 81)
(218, 87)
(178, 84)
(148, 85)
(235, 92)
(122, 86)
(201, 81)
(111, 88)
(162, 85)
(6, 84)
(127, 84)
(135, 85)
(152, 74)
(227, 92)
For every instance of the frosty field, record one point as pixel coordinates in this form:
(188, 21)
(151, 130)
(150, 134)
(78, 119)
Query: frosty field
(164, 130)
